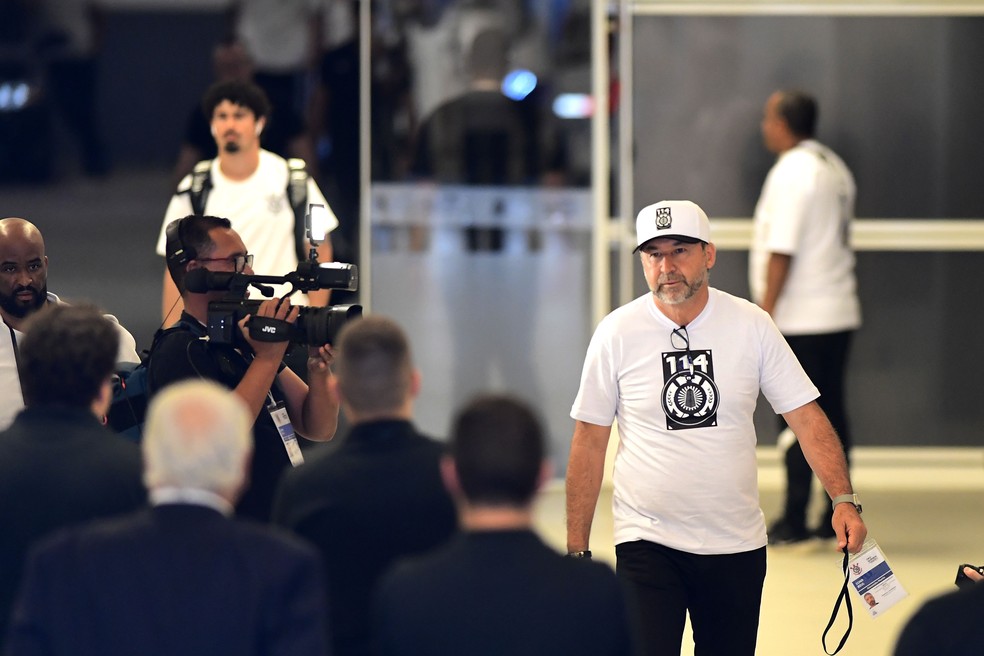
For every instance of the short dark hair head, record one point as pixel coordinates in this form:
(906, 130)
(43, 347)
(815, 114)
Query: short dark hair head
(373, 365)
(487, 56)
(192, 237)
(67, 353)
(799, 110)
(238, 92)
(498, 449)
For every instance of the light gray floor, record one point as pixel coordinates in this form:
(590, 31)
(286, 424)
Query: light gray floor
(921, 506)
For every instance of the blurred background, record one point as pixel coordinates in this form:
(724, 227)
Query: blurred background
(486, 159)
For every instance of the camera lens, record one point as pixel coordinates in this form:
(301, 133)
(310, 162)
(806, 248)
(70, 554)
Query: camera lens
(320, 325)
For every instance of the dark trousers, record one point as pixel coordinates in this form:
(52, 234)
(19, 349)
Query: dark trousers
(723, 594)
(824, 358)
(73, 88)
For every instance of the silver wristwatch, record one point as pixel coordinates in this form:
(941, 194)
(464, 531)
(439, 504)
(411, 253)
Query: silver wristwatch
(847, 498)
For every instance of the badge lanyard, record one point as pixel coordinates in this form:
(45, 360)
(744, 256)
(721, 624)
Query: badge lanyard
(278, 412)
(13, 345)
(846, 598)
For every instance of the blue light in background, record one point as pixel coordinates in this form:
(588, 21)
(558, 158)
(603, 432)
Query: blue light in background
(518, 84)
(573, 105)
(13, 96)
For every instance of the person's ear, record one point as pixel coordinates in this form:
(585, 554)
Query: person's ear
(260, 124)
(100, 405)
(415, 381)
(449, 476)
(711, 255)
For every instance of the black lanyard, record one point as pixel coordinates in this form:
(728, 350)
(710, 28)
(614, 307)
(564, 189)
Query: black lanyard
(13, 345)
(846, 598)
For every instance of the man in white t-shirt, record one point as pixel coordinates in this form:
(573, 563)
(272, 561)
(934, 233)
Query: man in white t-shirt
(249, 187)
(681, 369)
(801, 270)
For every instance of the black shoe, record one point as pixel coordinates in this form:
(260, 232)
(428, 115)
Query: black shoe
(782, 532)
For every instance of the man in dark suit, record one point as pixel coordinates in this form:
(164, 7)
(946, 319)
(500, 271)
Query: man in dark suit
(378, 496)
(497, 588)
(58, 465)
(947, 625)
(181, 577)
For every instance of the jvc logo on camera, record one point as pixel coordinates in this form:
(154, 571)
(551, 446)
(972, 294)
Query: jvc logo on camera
(269, 329)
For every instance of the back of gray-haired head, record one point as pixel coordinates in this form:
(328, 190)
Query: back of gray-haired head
(197, 435)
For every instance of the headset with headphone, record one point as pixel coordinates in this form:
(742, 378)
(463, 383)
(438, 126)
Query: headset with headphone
(177, 253)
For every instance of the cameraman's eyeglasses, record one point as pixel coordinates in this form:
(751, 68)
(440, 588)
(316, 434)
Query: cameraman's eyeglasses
(241, 261)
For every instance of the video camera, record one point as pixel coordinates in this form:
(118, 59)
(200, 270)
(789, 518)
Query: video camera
(314, 326)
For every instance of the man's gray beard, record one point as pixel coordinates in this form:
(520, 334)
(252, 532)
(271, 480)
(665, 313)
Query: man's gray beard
(692, 289)
(231, 147)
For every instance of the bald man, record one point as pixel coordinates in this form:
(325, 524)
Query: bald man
(24, 291)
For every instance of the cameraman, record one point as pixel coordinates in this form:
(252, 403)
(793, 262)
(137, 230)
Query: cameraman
(253, 370)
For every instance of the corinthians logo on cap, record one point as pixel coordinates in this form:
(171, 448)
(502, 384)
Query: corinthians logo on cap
(663, 218)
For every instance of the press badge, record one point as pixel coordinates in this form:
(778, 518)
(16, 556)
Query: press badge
(280, 417)
(873, 579)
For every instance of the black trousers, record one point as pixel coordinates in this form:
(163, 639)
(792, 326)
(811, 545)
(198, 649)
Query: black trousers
(824, 358)
(73, 88)
(723, 594)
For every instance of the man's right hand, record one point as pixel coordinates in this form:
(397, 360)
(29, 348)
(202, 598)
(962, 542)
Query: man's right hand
(273, 308)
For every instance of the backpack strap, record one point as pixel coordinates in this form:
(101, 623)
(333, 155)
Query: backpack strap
(201, 185)
(225, 355)
(297, 178)
(161, 334)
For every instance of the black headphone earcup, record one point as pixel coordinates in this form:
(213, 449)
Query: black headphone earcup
(176, 252)
(174, 249)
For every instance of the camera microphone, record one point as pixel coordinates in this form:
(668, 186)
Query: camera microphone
(200, 281)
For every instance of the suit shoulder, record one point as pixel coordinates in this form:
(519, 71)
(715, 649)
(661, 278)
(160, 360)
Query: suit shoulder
(93, 535)
(410, 572)
(272, 539)
(116, 448)
(429, 443)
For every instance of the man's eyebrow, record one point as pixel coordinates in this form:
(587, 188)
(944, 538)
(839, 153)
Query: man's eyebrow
(31, 261)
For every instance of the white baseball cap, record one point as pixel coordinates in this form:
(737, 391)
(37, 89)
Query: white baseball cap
(682, 220)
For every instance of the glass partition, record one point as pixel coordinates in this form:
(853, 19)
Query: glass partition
(898, 98)
(479, 214)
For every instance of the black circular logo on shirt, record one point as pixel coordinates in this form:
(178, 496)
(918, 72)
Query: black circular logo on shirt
(689, 398)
